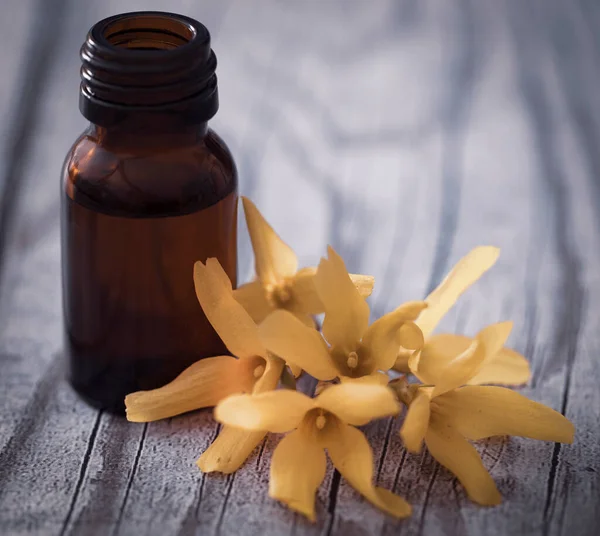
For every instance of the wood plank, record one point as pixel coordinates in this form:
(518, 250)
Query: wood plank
(43, 439)
(25, 69)
(539, 263)
(576, 466)
(22, 71)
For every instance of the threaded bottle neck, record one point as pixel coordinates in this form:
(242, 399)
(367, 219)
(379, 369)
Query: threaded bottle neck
(148, 63)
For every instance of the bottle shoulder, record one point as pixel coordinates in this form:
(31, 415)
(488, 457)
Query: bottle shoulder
(149, 180)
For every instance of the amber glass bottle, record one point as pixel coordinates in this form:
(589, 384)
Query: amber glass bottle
(147, 190)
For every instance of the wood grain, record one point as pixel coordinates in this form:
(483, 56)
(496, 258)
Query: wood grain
(401, 132)
(23, 37)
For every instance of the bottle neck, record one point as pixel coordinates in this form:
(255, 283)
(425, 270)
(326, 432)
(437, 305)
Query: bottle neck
(148, 64)
(148, 133)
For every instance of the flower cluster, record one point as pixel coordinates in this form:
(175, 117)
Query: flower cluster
(268, 326)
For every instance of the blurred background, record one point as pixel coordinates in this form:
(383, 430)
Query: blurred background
(402, 132)
(391, 116)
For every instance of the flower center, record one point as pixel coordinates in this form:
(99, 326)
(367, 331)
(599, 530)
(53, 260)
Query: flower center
(352, 360)
(280, 294)
(259, 371)
(283, 294)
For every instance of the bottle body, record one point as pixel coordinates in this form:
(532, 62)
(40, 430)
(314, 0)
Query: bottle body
(139, 207)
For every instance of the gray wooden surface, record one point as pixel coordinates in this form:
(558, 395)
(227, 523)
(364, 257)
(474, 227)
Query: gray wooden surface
(403, 132)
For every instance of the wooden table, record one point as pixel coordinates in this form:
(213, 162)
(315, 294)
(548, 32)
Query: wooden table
(403, 133)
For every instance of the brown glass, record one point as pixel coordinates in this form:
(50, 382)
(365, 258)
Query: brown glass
(144, 196)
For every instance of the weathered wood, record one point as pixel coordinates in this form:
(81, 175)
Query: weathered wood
(27, 39)
(45, 440)
(403, 133)
(18, 88)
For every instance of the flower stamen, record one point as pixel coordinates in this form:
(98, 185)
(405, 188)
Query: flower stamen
(283, 294)
(280, 294)
(352, 361)
(320, 422)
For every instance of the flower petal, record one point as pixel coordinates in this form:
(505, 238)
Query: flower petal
(358, 403)
(460, 370)
(416, 421)
(273, 411)
(490, 341)
(305, 298)
(414, 365)
(270, 377)
(410, 336)
(363, 283)
(401, 363)
(229, 319)
(253, 297)
(284, 335)
(274, 259)
(380, 339)
(493, 337)
(468, 270)
(307, 320)
(455, 453)
(297, 469)
(352, 456)
(230, 450)
(378, 378)
(201, 385)
(507, 367)
(295, 370)
(437, 365)
(446, 347)
(484, 411)
(346, 311)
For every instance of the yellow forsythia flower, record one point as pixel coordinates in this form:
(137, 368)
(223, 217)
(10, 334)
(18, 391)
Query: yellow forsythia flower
(506, 366)
(447, 413)
(206, 382)
(325, 422)
(279, 283)
(356, 349)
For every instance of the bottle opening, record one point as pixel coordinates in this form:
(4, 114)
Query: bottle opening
(148, 63)
(149, 32)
